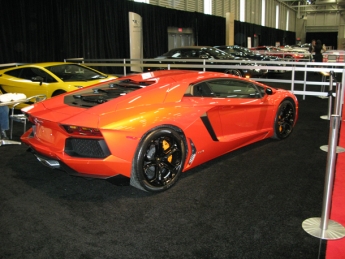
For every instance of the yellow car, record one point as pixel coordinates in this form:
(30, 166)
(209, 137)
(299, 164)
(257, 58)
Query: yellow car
(50, 79)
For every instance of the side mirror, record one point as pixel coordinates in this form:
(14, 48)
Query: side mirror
(37, 79)
(269, 91)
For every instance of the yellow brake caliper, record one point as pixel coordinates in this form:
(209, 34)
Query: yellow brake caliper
(280, 125)
(166, 145)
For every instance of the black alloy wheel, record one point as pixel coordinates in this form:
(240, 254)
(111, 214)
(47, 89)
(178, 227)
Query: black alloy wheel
(289, 58)
(159, 160)
(284, 121)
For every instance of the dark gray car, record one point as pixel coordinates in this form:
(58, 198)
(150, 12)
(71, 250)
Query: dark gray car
(182, 55)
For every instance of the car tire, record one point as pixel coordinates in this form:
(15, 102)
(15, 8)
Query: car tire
(235, 72)
(159, 160)
(289, 59)
(284, 120)
(57, 92)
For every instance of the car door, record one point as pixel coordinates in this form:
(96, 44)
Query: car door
(240, 108)
(28, 80)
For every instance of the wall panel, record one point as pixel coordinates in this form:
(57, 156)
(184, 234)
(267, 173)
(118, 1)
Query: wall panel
(253, 10)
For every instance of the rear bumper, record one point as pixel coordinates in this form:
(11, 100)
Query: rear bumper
(119, 180)
(55, 158)
(58, 164)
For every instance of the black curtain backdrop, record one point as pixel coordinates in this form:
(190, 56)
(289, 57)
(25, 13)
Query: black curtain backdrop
(267, 36)
(52, 30)
(327, 38)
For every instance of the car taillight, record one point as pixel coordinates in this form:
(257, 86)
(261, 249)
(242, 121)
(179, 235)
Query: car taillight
(83, 131)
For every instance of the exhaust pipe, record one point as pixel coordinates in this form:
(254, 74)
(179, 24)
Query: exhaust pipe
(54, 164)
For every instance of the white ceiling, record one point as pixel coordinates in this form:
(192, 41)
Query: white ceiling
(313, 6)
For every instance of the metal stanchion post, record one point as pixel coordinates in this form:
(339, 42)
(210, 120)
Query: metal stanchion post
(327, 117)
(324, 79)
(337, 103)
(324, 227)
(337, 111)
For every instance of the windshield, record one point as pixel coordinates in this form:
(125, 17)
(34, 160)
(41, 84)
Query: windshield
(203, 52)
(217, 53)
(75, 72)
(248, 51)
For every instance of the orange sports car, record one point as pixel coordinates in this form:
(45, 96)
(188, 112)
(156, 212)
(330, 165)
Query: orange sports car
(151, 127)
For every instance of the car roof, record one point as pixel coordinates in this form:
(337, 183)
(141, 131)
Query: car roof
(193, 47)
(181, 74)
(42, 64)
(229, 46)
(149, 83)
(47, 64)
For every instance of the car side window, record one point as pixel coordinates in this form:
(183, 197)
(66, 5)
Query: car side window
(261, 90)
(203, 54)
(189, 53)
(202, 90)
(176, 54)
(31, 72)
(14, 72)
(226, 88)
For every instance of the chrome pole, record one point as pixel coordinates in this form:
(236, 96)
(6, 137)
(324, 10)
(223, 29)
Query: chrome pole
(337, 103)
(324, 227)
(331, 161)
(337, 111)
(330, 95)
(330, 98)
